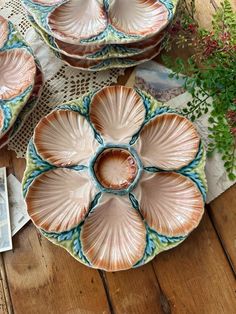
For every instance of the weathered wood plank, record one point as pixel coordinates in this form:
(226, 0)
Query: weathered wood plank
(223, 214)
(135, 291)
(44, 278)
(196, 276)
(5, 303)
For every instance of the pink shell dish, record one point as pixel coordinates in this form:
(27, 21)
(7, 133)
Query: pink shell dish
(115, 178)
(17, 68)
(96, 35)
(18, 80)
(96, 21)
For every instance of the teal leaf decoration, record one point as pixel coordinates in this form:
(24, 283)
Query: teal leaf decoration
(134, 138)
(149, 250)
(7, 115)
(134, 201)
(77, 246)
(150, 246)
(156, 242)
(70, 107)
(196, 178)
(106, 5)
(63, 236)
(162, 110)
(109, 30)
(146, 100)
(43, 166)
(36, 158)
(77, 168)
(95, 201)
(195, 162)
(77, 249)
(152, 169)
(98, 137)
(29, 180)
(165, 239)
(170, 7)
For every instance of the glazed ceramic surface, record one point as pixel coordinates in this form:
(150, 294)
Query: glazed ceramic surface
(101, 22)
(27, 109)
(101, 65)
(115, 178)
(97, 52)
(18, 72)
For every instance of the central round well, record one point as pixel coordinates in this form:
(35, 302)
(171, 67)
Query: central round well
(115, 168)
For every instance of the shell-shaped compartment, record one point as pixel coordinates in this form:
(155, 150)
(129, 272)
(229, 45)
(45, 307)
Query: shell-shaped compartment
(25, 112)
(4, 30)
(97, 52)
(113, 236)
(138, 17)
(102, 22)
(170, 203)
(115, 168)
(73, 50)
(169, 142)
(117, 113)
(17, 68)
(65, 138)
(59, 199)
(78, 19)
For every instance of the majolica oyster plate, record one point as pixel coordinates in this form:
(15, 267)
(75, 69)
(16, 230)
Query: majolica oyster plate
(97, 52)
(101, 22)
(115, 178)
(17, 74)
(101, 65)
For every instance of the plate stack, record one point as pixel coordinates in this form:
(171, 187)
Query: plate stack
(20, 81)
(96, 35)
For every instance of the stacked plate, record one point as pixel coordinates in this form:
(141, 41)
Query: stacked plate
(100, 34)
(20, 81)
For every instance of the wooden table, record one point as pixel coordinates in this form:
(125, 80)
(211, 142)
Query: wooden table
(196, 277)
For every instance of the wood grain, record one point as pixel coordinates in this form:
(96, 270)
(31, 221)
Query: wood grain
(135, 291)
(5, 302)
(43, 278)
(196, 276)
(223, 215)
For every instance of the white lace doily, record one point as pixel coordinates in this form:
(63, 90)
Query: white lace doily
(62, 83)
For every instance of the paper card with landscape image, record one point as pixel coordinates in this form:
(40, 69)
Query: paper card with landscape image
(154, 78)
(18, 212)
(5, 226)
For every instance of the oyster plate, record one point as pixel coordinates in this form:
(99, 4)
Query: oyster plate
(98, 52)
(18, 72)
(99, 22)
(115, 178)
(101, 65)
(27, 109)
